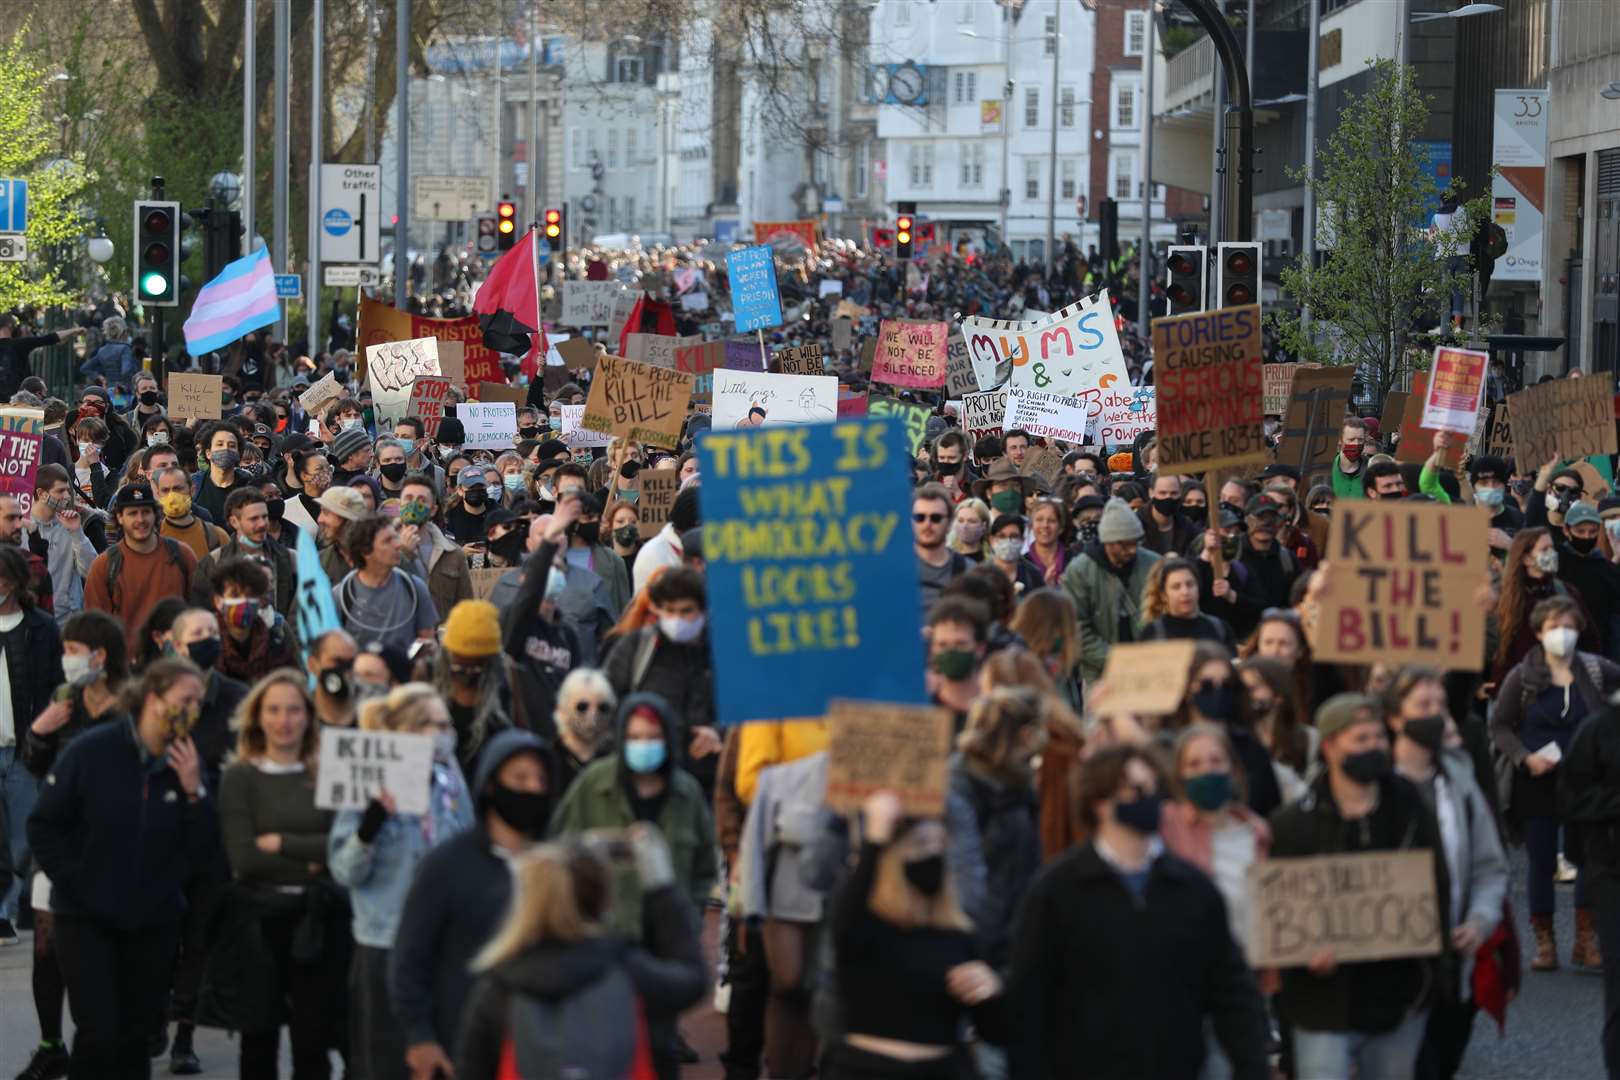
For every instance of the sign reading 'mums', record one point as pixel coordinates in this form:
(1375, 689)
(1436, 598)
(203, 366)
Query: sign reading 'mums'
(803, 528)
(1209, 371)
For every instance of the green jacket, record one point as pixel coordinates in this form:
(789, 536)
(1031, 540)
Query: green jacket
(1101, 599)
(597, 800)
(1347, 485)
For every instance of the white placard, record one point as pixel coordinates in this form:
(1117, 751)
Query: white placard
(694, 301)
(830, 287)
(578, 438)
(749, 399)
(489, 425)
(589, 303)
(1055, 416)
(391, 368)
(356, 765)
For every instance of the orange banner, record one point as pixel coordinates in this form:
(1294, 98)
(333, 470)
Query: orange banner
(805, 230)
(381, 322)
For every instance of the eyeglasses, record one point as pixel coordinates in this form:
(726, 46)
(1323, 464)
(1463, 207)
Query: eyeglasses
(932, 519)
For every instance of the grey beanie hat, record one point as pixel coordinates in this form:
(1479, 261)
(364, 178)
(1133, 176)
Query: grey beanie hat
(349, 441)
(1119, 523)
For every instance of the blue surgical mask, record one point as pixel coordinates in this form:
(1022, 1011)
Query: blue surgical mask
(555, 584)
(513, 481)
(1489, 497)
(644, 755)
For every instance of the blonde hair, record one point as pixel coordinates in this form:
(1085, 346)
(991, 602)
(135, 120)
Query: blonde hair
(404, 708)
(1047, 621)
(895, 901)
(973, 505)
(996, 724)
(250, 741)
(544, 907)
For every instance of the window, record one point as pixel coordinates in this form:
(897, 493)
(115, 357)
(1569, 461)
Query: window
(630, 211)
(964, 13)
(1066, 174)
(863, 168)
(1032, 178)
(1125, 176)
(1032, 107)
(630, 146)
(902, 13)
(613, 213)
(965, 87)
(973, 165)
(921, 159)
(1125, 105)
(628, 69)
(1135, 32)
(1050, 36)
(1066, 103)
(590, 144)
(613, 148)
(576, 149)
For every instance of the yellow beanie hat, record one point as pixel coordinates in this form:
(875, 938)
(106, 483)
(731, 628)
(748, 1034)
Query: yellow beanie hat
(473, 629)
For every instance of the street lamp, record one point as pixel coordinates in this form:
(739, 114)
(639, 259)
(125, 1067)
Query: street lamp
(1006, 116)
(227, 188)
(1456, 13)
(99, 248)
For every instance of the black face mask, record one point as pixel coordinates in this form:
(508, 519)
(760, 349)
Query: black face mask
(1367, 767)
(1166, 507)
(335, 682)
(588, 531)
(1216, 702)
(526, 811)
(393, 472)
(529, 432)
(1428, 732)
(1231, 547)
(1583, 545)
(149, 398)
(1140, 814)
(475, 496)
(625, 535)
(275, 507)
(205, 652)
(508, 547)
(927, 875)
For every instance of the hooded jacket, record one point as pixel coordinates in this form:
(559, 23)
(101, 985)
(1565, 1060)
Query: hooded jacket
(600, 798)
(1103, 599)
(456, 902)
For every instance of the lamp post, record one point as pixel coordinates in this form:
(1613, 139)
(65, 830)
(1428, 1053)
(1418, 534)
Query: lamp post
(1006, 113)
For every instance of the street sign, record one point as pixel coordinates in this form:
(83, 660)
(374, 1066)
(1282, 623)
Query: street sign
(13, 248)
(351, 217)
(13, 206)
(289, 286)
(345, 277)
(449, 198)
(542, 250)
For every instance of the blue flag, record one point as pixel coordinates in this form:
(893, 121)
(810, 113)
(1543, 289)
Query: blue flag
(316, 612)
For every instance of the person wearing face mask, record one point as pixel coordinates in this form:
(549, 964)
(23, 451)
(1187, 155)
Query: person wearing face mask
(606, 572)
(475, 679)
(1489, 476)
(195, 635)
(1003, 488)
(1165, 529)
(466, 516)
(351, 453)
(584, 719)
(1007, 553)
(391, 466)
(148, 401)
(1086, 515)
(956, 629)
(331, 666)
(257, 640)
(173, 489)
(1123, 906)
(1429, 753)
(460, 894)
(221, 442)
(1583, 567)
(1349, 462)
(122, 817)
(1555, 490)
(373, 853)
(1368, 1016)
(969, 534)
(1541, 703)
(248, 512)
(1529, 576)
(1107, 582)
(1215, 695)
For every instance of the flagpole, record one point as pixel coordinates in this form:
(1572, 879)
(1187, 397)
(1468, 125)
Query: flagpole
(539, 331)
(764, 361)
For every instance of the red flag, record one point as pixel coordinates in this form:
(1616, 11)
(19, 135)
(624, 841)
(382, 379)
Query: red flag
(648, 317)
(508, 305)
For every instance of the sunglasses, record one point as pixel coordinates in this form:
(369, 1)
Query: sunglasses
(1566, 489)
(583, 707)
(932, 519)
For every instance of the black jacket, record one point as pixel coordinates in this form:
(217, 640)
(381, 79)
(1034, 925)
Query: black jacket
(117, 836)
(1589, 795)
(37, 672)
(1368, 997)
(1109, 987)
(1006, 812)
(668, 975)
(646, 662)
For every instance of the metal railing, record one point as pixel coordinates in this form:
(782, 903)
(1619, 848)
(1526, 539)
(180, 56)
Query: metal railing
(1190, 73)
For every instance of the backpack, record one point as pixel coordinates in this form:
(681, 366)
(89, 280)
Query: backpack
(115, 564)
(583, 1036)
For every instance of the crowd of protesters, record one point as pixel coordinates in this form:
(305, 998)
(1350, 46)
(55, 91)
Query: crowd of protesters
(1078, 909)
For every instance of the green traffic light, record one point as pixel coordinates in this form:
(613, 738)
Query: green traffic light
(154, 283)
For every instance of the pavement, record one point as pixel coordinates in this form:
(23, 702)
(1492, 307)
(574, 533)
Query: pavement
(1552, 1031)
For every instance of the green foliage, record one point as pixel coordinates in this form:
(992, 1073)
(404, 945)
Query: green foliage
(28, 151)
(1383, 270)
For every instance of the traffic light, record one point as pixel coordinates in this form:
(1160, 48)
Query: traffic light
(1108, 229)
(157, 253)
(1237, 274)
(903, 224)
(1184, 278)
(486, 241)
(554, 227)
(505, 224)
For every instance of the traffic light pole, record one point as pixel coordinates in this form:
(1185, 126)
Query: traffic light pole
(317, 98)
(402, 135)
(1237, 209)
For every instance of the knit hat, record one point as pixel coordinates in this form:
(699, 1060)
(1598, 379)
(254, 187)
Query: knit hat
(1119, 523)
(473, 629)
(1344, 710)
(451, 432)
(345, 502)
(349, 441)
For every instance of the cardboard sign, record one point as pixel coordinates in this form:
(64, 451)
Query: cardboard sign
(1278, 379)
(590, 303)
(195, 397)
(749, 399)
(553, 379)
(656, 349)
(1417, 441)
(801, 360)
(911, 352)
(1125, 415)
(1055, 416)
(1209, 372)
(577, 354)
(803, 529)
(1402, 586)
(1371, 905)
(1456, 390)
(959, 379)
(356, 765)
(843, 333)
(516, 395)
(658, 490)
(576, 437)
(1500, 443)
(868, 353)
(428, 396)
(1073, 351)
(744, 355)
(453, 362)
(850, 403)
(1044, 463)
(323, 392)
(490, 425)
(484, 580)
(914, 417)
(1394, 412)
(391, 367)
(849, 309)
(1146, 678)
(903, 749)
(1564, 418)
(756, 302)
(982, 413)
(700, 357)
(21, 430)
(639, 402)
(1316, 409)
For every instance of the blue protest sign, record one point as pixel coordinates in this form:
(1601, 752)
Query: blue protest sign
(756, 303)
(813, 590)
(317, 612)
(744, 356)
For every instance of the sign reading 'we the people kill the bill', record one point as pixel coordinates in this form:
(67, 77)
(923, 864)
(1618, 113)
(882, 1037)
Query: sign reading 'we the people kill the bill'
(803, 527)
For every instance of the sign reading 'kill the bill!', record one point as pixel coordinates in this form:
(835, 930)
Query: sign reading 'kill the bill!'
(1402, 585)
(1210, 373)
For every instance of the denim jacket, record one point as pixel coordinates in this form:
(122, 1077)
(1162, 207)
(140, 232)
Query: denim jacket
(378, 874)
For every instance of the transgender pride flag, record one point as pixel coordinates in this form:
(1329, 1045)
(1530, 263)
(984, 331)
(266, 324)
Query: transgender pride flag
(241, 299)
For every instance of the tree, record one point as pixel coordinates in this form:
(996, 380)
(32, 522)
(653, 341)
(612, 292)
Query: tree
(55, 223)
(1383, 270)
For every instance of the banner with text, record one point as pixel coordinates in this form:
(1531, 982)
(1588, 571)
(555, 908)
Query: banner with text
(1209, 370)
(1456, 390)
(1563, 418)
(638, 402)
(1074, 351)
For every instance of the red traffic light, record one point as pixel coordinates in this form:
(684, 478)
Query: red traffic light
(1180, 263)
(156, 221)
(553, 224)
(506, 209)
(1238, 262)
(904, 223)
